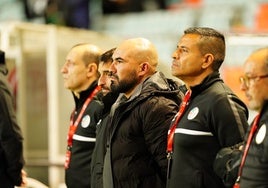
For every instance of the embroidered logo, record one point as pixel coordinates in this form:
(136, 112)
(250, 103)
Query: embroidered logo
(85, 121)
(261, 134)
(193, 113)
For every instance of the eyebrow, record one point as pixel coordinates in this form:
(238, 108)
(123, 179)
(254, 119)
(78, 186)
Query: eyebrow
(184, 47)
(119, 59)
(106, 71)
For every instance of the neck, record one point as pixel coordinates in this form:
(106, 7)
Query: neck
(193, 81)
(129, 93)
(77, 95)
(83, 88)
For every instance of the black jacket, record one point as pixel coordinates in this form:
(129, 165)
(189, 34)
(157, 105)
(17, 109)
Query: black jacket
(11, 141)
(215, 118)
(255, 170)
(78, 174)
(136, 147)
(100, 146)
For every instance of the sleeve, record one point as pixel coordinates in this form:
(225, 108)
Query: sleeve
(11, 140)
(159, 114)
(229, 120)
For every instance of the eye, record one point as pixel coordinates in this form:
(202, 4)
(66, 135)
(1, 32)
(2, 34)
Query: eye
(70, 63)
(105, 73)
(118, 61)
(184, 50)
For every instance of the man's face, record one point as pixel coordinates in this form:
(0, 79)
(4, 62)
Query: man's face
(104, 79)
(255, 87)
(124, 71)
(187, 58)
(74, 71)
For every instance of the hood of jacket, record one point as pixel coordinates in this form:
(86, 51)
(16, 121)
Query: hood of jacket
(158, 84)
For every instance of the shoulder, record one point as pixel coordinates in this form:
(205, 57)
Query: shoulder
(159, 104)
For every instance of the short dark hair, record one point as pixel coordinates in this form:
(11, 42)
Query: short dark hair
(106, 57)
(211, 41)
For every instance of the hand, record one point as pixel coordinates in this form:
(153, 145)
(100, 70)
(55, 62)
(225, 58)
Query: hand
(24, 178)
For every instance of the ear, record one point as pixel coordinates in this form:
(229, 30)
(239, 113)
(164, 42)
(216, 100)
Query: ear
(208, 60)
(143, 68)
(92, 69)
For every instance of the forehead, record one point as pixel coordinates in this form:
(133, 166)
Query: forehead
(105, 66)
(74, 54)
(255, 63)
(123, 51)
(189, 40)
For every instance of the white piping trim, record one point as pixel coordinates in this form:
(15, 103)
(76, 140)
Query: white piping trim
(83, 138)
(193, 132)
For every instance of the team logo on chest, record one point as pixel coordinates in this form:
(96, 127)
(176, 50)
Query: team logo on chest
(193, 113)
(261, 134)
(85, 121)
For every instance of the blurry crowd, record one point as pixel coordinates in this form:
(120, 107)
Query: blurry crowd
(78, 13)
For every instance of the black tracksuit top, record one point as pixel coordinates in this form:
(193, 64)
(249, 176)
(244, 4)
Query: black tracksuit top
(255, 170)
(215, 118)
(78, 174)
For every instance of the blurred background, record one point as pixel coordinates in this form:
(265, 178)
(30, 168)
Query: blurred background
(37, 34)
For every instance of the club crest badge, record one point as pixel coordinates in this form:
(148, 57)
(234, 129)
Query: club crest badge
(193, 113)
(85, 121)
(261, 134)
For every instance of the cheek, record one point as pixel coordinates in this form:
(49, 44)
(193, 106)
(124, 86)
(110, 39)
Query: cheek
(262, 93)
(122, 71)
(255, 92)
(107, 81)
(101, 80)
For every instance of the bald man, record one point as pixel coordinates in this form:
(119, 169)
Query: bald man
(139, 119)
(80, 74)
(254, 83)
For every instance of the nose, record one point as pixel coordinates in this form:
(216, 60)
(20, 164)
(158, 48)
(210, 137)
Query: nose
(101, 81)
(112, 68)
(175, 55)
(63, 68)
(243, 86)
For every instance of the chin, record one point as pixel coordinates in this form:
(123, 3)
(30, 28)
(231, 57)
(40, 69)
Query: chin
(105, 93)
(254, 106)
(175, 74)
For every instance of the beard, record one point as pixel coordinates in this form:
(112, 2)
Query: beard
(124, 85)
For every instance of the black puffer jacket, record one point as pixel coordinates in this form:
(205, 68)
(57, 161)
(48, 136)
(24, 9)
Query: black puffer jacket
(136, 148)
(100, 145)
(11, 141)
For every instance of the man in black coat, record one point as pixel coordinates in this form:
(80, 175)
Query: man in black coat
(139, 119)
(254, 83)
(80, 74)
(108, 99)
(11, 141)
(214, 117)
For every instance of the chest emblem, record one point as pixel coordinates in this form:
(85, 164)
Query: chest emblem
(85, 121)
(193, 113)
(261, 134)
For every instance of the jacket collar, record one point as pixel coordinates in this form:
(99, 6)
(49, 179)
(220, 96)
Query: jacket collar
(207, 82)
(84, 94)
